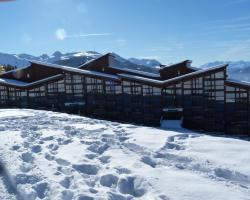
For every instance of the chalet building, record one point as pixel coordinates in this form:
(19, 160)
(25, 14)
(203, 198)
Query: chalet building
(203, 98)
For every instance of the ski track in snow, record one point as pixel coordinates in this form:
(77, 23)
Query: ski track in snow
(50, 155)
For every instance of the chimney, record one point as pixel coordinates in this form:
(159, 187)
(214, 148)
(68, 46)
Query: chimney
(188, 63)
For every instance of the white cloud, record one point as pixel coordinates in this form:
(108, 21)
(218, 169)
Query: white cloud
(60, 34)
(89, 35)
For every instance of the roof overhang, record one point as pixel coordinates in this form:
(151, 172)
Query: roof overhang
(195, 74)
(80, 71)
(175, 80)
(25, 85)
(236, 83)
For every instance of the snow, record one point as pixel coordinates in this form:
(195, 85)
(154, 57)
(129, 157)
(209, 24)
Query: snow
(159, 82)
(48, 155)
(13, 60)
(87, 54)
(152, 75)
(12, 82)
(21, 60)
(143, 79)
(243, 83)
(80, 71)
(149, 62)
(17, 83)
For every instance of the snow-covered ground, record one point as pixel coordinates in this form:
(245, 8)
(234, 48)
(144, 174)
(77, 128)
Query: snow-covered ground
(47, 155)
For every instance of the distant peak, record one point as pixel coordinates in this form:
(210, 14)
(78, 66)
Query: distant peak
(57, 54)
(44, 56)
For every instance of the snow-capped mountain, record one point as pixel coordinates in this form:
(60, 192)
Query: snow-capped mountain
(127, 63)
(13, 60)
(72, 59)
(75, 59)
(145, 62)
(239, 70)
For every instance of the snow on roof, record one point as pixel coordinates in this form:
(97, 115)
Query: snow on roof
(12, 82)
(139, 78)
(243, 83)
(188, 65)
(137, 72)
(158, 82)
(195, 73)
(116, 61)
(77, 70)
(93, 73)
(91, 60)
(17, 83)
(103, 75)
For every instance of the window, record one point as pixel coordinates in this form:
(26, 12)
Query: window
(110, 87)
(94, 85)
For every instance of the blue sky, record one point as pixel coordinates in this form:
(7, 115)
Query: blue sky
(168, 30)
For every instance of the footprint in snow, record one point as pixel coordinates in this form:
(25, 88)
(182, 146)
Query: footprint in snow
(49, 156)
(66, 182)
(85, 197)
(26, 179)
(62, 162)
(149, 161)
(67, 195)
(16, 147)
(109, 180)
(133, 185)
(36, 149)
(41, 189)
(105, 159)
(26, 167)
(91, 156)
(64, 170)
(88, 169)
(53, 147)
(122, 170)
(27, 157)
(98, 147)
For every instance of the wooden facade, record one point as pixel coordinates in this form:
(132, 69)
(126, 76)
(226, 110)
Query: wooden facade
(208, 100)
(237, 107)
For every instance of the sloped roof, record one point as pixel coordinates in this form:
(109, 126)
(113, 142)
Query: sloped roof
(17, 78)
(177, 69)
(79, 71)
(186, 63)
(173, 80)
(102, 61)
(24, 85)
(34, 72)
(237, 83)
(113, 62)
